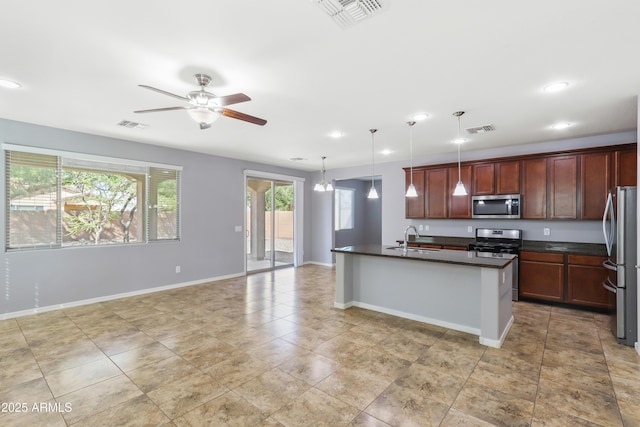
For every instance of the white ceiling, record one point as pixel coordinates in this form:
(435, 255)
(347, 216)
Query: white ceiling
(80, 64)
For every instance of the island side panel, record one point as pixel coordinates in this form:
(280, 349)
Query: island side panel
(496, 305)
(344, 281)
(438, 293)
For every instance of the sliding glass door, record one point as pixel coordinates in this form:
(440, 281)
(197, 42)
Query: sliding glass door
(270, 224)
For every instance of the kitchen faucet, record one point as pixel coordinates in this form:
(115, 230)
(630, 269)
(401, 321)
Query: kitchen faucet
(406, 237)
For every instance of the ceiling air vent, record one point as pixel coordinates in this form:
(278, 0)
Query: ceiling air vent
(481, 129)
(132, 125)
(348, 12)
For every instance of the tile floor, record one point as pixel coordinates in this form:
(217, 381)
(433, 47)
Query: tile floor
(270, 350)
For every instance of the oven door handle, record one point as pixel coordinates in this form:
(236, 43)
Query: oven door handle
(609, 286)
(609, 265)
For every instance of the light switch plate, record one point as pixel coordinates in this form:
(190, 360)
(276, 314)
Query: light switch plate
(426, 228)
(470, 229)
(420, 227)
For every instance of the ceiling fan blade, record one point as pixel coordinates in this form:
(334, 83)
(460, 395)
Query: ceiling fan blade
(155, 110)
(241, 116)
(236, 98)
(165, 92)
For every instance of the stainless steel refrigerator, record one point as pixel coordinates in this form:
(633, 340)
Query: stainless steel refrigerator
(619, 228)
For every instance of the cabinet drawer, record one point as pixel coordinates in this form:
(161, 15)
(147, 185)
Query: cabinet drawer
(586, 260)
(542, 256)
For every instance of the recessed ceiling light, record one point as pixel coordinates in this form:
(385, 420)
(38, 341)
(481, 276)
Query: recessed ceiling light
(386, 152)
(336, 134)
(9, 84)
(418, 117)
(561, 125)
(555, 87)
(459, 141)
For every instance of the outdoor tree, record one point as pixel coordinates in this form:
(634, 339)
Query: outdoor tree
(104, 197)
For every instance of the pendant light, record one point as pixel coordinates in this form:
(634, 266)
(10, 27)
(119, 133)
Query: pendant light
(321, 186)
(459, 190)
(411, 190)
(373, 194)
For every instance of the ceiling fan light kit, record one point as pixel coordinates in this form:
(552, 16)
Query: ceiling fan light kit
(206, 107)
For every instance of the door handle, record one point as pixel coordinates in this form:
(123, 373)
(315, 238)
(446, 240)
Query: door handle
(607, 286)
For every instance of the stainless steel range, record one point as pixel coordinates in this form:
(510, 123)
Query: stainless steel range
(494, 242)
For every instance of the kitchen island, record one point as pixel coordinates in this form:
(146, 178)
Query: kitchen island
(464, 291)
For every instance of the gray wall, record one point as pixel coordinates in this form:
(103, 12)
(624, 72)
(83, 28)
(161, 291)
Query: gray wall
(393, 186)
(368, 215)
(212, 205)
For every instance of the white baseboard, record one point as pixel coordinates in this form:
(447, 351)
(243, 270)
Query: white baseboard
(498, 343)
(437, 322)
(113, 297)
(637, 346)
(343, 306)
(324, 264)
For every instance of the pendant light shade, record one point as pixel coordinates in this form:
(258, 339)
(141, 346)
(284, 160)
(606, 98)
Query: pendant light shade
(323, 185)
(459, 190)
(411, 189)
(373, 193)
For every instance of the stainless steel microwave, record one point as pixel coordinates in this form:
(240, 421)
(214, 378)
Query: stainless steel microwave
(506, 206)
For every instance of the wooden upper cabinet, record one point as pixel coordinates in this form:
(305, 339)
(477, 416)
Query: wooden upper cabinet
(534, 189)
(508, 177)
(595, 182)
(563, 177)
(484, 179)
(436, 188)
(414, 206)
(460, 206)
(625, 167)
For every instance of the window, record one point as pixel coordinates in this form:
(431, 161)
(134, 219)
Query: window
(58, 200)
(344, 202)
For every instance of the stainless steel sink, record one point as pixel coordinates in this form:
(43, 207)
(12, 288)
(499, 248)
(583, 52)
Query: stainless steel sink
(418, 250)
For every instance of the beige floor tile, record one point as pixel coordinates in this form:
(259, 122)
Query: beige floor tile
(403, 345)
(306, 338)
(98, 398)
(460, 364)
(154, 375)
(340, 349)
(548, 415)
(141, 356)
(272, 390)
(599, 408)
(8, 324)
(318, 406)
(186, 393)
(455, 418)
(399, 407)
(494, 406)
(238, 369)
(139, 411)
(431, 383)
(29, 392)
(121, 341)
(63, 382)
(276, 352)
(353, 386)
(383, 365)
(11, 339)
(226, 410)
(523, 385)
(309, 367)
(53, 359)
(366, 420)
(17, 367)
(210, 353)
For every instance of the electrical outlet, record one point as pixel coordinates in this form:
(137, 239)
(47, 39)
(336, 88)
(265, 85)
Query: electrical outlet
(177, 269)
(426, 228)
(470, 229)
(547, 231)
(420, 227)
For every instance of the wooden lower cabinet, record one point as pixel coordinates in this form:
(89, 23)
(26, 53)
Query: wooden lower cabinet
(541, 276)
(585, 275)
(569, 279)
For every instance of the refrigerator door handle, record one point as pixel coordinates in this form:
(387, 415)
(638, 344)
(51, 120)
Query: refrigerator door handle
(608, 286)
(607, 232)
(609, 265)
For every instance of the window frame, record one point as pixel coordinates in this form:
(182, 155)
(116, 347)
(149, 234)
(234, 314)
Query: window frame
(102, 164)
(337, 210)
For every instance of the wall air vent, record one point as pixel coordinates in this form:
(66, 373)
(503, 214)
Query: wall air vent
(132, 125)
(348, 12)
(481, 129)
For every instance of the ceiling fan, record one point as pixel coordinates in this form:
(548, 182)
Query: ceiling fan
(206, 107)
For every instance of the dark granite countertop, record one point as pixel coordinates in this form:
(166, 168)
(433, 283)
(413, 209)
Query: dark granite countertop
(476, 259)
(594, 249)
